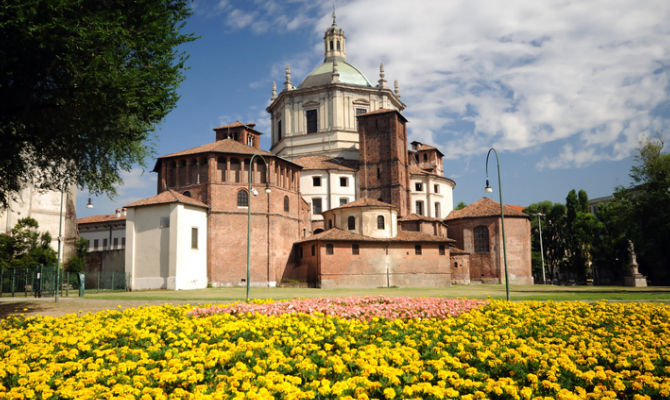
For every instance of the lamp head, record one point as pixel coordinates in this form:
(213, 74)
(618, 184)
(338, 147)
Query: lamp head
(488, 188)
(267, 187)
(254, 191)
(89, 204)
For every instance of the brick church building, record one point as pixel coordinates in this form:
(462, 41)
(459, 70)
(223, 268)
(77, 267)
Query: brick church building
(340, 200)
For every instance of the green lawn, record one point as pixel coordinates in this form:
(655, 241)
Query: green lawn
(517, 292)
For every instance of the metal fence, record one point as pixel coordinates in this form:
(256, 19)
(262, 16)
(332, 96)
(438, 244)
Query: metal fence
(41, 282)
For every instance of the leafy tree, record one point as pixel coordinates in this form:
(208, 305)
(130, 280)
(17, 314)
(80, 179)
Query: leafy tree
(553, 238)
(461, 205)
(83, 84)
(646, 208)
(25, 247)
(77, 262)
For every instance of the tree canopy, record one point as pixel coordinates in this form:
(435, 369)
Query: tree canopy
(83, 84)
(25, 247)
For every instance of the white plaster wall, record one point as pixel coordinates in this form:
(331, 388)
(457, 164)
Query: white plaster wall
(366, 221)
(336, 131)
(330, 190)
(102, 234)
(148, 248)
(191, 266)
(429, 197)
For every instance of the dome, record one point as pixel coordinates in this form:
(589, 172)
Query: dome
(322, 75)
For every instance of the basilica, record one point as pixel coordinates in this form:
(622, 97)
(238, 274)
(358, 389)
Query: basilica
(341, 199)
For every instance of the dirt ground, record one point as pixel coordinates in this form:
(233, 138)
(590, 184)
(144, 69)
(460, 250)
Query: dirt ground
(31, 306)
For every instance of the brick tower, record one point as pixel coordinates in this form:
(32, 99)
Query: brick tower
(383, 164)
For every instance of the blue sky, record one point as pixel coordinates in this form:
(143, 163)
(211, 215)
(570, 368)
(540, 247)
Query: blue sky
(564, 90)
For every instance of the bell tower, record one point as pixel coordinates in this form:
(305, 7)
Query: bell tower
(334, 42)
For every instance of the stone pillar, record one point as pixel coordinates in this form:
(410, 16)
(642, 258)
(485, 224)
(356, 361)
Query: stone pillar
(633, 277)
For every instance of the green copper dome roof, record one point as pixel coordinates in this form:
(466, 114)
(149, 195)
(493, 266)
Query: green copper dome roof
(323, 75)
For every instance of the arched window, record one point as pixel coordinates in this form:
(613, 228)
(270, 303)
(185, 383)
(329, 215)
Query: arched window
(242, 198)
(481, 234)
(380, 222)
(187, 193)
(330, 224)
(286, 208)
(351, 223)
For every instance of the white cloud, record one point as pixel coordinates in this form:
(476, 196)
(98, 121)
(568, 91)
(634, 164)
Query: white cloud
(520, 74)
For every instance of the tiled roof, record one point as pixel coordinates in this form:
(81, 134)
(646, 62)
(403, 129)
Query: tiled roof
(221, 146)
(166, 197)
(364, 202)
(101, 218)
(485, 207)
(456, 251)
(413, 169)
(337, 234)
(322, 162)
(417, 217)
(235, 125)
(520, 208)
(382, 111)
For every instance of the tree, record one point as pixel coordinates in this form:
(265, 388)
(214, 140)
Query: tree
(461, 205)
(646, 207)
(25, 247)
(553, 239)
(77, 262)
(83, 84)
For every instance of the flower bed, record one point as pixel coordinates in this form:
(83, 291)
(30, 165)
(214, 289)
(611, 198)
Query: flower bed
(365, 308)
(499, 350)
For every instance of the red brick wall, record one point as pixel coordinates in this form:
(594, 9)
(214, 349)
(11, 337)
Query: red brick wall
(460, 268)
(383, 151)
(489, 267)
(372, 267)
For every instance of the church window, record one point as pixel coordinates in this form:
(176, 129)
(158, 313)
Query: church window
(316, 206)
(417, 250)
(250, 140)
(441, 249)
(351, 223)
(194, 238)
(355, 249)
(286, 208)
(316, 181)
(330, 224)
(380, 222)
(104, 244)
(242, 198)
(481, 234)
(425, 157)
(359, 111)
(311, 116)
(344, 181)
(338, 45)
(436, 188)
(96, 243)
(331, 45)
(379, 173)
(418, 186)
(299, 253)
(419, 207)
(313, 251)
(329, 248)
(437, 210)
(343, 201)
(279, 130)
(116, 243)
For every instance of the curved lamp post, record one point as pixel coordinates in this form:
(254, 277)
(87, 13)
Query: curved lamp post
(488, 189)
(539, 223)
(255, 193)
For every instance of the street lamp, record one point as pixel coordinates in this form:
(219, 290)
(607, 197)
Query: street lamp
(488, 189)
(539, 223)
(255, 193)
(89, 204)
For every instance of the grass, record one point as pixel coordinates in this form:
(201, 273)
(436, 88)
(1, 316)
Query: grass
(94, 302)
(517, 292)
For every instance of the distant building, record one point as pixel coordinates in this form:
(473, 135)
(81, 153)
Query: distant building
(477, 230)
(45, 208)
(106, 236)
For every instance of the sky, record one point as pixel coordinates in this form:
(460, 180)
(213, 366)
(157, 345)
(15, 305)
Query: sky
(565, 91)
